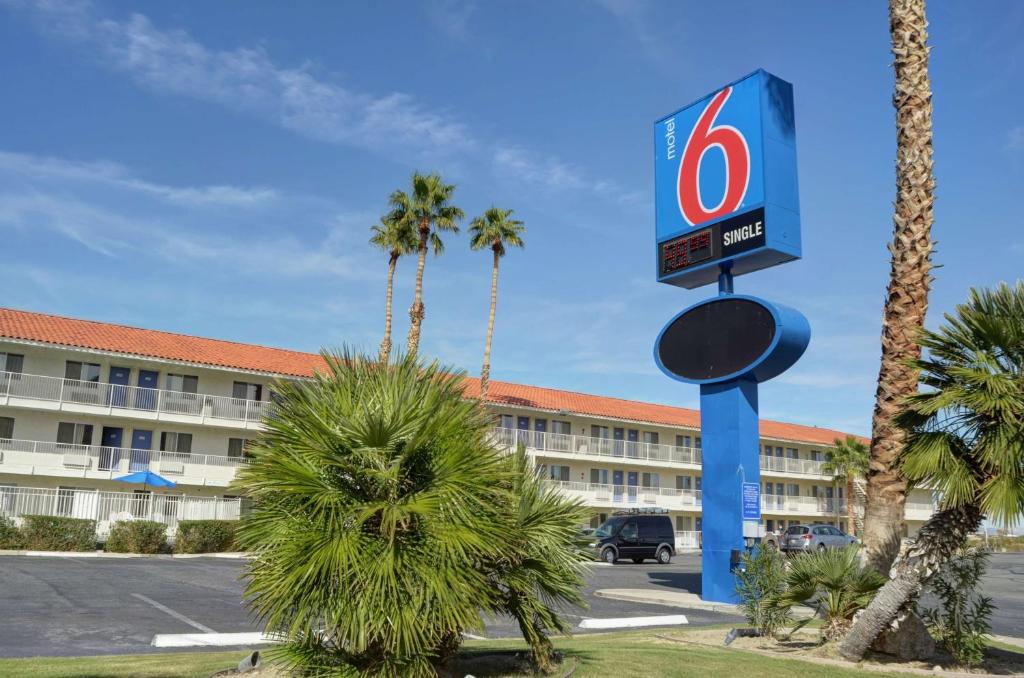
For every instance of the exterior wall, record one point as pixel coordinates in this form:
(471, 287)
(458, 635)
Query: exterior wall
(648, 466)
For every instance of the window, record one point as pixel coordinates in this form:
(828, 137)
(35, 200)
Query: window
(792, 453)
(696, 442)
(74, 434)
(246, 391)
(682, 441)
(180, 443)
(651, 437)
(816, 455)
(778, 451)
(598, 431)
(505, 421)
(683, 523)
(629, 530)
(562, 427)
(650, 480)
(560, 473)
(684, 483)
(11, 362)
(182, 383)
(6, 428)
(599, 476)
(697, 483)
(793, 490)
(82, 371)
(238, 447)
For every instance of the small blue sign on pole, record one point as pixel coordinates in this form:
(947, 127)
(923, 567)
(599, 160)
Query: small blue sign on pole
(752, 501)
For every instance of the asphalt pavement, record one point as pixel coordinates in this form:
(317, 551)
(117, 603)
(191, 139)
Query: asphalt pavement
(70, 606)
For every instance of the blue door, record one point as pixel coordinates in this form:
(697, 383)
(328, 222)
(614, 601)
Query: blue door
(142, 443)
(632, 436)
(110, 453)
(617, 434)
(146, 399)
(540, 426)
(523, 425)
(616, 486)
(119, 380)
(631, 482)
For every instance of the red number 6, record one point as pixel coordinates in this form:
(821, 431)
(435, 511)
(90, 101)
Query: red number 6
(737, 164)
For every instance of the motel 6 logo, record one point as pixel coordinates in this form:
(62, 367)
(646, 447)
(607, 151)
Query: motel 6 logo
(708, 160)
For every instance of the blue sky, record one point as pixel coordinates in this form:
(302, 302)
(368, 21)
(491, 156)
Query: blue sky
(213, 168)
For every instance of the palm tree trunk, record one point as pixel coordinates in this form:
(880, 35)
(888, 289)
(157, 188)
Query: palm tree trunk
(907, 296)
(385, 344)
(938, 539)
(851, 523)
(485, 372)
(417, 311)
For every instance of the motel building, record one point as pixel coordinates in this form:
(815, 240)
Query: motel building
(83, 402)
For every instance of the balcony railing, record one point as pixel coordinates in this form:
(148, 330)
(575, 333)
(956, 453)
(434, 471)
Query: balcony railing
(115, 460)
(773, 503)
(131, 398)
(789, 465)
(600, 494)
(602, 447)
(107, 508)
(688, 540)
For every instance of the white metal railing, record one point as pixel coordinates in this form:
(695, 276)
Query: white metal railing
(117, 397)
(919, 510)
(602, 494)
(602, 447)
(113, 459)
(815, 505)
(790, 465)
(688, 540)
(107, 508)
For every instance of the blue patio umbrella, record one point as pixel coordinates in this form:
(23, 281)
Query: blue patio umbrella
(146, 478)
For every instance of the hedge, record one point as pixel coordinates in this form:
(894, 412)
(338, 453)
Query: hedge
(205, 536)
(137, 536)
(56, 533)
(10, 535)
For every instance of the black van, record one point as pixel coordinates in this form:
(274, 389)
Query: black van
(635, 535)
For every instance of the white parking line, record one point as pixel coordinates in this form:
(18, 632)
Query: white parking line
(211, 639)
(177, 615)
(634, 622)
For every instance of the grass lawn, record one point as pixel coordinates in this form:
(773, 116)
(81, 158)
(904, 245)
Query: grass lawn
(624, 654)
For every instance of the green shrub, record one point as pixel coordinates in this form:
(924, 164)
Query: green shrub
(205, 536)
(10, 535)
(57, 533)
(137, 536)
(961, 623)
(760, 582)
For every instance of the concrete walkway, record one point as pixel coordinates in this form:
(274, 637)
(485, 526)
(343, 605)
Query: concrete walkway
(683, 599)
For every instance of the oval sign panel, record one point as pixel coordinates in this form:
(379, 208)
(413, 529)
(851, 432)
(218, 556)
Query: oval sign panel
(731, 337)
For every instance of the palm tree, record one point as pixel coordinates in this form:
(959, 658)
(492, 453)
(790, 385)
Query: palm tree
(836, 583)
(394, 236)
(964, 441)
(427, 209)
(848, 460)
(909, 279)
(385, 523)
(495, 229)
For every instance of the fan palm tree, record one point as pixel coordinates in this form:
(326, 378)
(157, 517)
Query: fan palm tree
(427, 210)
(909, 278)
(836, 583)
(965, 440)
(393, 236)
(847, 460)
(496, 229)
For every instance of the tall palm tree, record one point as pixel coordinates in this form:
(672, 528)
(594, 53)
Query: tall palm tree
(426, 209)
(965, 440)
(909, 279)
(393, 236)
(496, 229)
(847, 460)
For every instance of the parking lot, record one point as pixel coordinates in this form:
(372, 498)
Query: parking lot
(86, 606)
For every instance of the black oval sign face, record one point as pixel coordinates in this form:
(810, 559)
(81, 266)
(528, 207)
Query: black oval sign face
(716, 339)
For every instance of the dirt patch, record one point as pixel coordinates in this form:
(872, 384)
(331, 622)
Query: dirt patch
(806, 645)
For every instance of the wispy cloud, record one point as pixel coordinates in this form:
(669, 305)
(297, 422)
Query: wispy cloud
(520, 165)
(247, 80)
(638, 16)
(452, 16)
(1015, 139)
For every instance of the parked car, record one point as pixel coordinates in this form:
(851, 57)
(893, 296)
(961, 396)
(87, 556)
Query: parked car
(807, 538)
(636, 535)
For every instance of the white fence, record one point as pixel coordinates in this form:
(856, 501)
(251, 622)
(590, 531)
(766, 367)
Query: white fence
(106, 508)
(116, 397)
(603, 447)
(599, 494)
(688, 540)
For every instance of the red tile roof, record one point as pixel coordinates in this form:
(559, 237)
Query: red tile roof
(88, 334)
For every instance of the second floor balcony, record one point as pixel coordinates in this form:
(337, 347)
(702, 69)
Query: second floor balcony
(98, 462)
(92, 397)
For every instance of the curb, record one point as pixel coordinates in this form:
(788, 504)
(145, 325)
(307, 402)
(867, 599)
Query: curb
(689, 601)
(104, 554)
